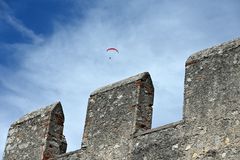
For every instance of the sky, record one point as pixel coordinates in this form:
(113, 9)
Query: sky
(55, 50)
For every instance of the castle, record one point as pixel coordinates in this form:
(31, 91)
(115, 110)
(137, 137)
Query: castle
(118, 121)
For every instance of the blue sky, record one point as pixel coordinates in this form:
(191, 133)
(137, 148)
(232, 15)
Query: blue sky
(53, 50)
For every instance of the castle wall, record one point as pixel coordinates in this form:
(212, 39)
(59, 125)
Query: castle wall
(210, 126)
(211, 103)
(38, 135)
(163, 143)
(81, 154)
(118, 121)
(114, 114)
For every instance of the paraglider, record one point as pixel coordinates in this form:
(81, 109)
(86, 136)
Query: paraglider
(112, 50)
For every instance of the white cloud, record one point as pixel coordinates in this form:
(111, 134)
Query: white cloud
(154, 37)
(7, 15)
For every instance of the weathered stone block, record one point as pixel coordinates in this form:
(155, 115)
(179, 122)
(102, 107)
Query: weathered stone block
(211, 102)
(38, 135)
(115, 113)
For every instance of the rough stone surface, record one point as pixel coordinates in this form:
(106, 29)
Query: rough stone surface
(159, 143)
(118, 121)
(210, 127)
(115, 113)
(212, 103)
(38, 135)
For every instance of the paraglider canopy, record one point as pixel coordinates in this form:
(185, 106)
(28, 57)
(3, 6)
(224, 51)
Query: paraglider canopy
(112, 49)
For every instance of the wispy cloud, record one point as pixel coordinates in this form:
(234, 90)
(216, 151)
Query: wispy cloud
(154, 36)
(7, 15)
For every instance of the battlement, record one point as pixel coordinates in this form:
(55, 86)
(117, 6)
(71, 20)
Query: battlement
(38, 135)
(118, 120)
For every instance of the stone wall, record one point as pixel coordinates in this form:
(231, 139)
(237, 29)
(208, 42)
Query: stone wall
(212, 102)
(210, 127)
(118, 121)
(38, 135)
(115, 113)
